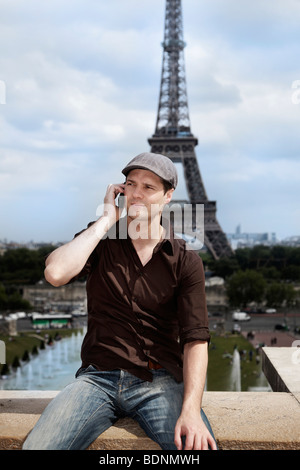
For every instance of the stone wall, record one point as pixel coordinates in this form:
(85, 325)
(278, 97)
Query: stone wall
(240, 421)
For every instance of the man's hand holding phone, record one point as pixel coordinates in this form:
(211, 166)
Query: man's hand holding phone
(112, 210)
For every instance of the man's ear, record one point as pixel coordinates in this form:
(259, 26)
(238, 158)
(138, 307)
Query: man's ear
(169, 195)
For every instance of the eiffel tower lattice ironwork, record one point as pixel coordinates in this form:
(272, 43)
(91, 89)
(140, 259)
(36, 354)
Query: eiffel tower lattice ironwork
(173, 136)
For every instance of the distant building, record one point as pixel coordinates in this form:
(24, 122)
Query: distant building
(215, 292)
(45, 298)
(240, 239)
(291, 241)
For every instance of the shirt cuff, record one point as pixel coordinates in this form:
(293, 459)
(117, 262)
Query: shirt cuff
(195, 334)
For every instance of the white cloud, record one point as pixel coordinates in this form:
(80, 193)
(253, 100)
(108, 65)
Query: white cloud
(82, 87)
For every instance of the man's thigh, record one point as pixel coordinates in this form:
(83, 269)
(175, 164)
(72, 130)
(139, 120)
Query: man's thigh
(73, 419)
(160, 408)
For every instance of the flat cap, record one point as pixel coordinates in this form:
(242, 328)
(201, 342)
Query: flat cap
(155, 162)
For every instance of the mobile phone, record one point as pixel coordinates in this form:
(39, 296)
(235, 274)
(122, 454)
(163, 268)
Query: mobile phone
(121, 201)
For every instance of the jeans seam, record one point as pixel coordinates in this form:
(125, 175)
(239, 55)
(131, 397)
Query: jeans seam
(149, 431)
(86, 422)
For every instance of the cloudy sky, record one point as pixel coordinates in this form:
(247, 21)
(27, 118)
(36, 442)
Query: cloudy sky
(79, 84)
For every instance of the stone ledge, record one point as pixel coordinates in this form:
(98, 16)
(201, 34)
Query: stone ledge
(240, 420)
(282, 368)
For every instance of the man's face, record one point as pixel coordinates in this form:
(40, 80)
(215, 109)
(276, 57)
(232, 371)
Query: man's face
(145, 194)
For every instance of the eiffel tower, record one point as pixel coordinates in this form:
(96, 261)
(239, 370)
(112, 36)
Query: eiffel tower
(173, 136)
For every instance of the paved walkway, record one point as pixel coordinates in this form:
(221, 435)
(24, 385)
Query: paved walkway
(271, 338)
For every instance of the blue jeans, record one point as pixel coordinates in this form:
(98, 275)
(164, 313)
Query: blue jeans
(96, 400)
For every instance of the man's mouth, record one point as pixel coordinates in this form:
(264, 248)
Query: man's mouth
(137, 209)
(137, 204)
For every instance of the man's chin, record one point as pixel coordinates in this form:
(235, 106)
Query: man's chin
(138, 211)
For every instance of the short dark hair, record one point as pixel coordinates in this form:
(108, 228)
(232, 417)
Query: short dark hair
(167, 186)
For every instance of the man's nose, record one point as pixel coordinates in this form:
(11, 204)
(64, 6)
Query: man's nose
(137, 192)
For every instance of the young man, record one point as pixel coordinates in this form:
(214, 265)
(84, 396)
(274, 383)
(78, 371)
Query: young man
(145, 351)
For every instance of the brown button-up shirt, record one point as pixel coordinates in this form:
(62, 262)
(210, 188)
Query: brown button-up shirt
(136, 312)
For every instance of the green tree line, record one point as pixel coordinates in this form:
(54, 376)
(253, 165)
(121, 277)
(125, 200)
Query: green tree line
(260, 275)
(19, 267)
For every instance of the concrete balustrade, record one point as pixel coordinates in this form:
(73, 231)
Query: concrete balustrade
(240, 420)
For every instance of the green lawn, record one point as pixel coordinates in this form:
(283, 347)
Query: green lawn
(220, 363)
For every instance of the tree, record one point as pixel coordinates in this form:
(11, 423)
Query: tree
(16, 302)
(243, 257)
(224, 267)
(11, 299)
(23, 266)
(259, 257)
(3, 298)
(291, 273)
(278, 294)
(244, 287)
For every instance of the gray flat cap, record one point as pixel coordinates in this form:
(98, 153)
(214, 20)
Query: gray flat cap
(155, 162)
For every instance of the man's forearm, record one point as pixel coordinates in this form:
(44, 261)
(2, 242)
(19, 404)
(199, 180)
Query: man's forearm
(68, 260)
(194, 374)
(190, 423)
